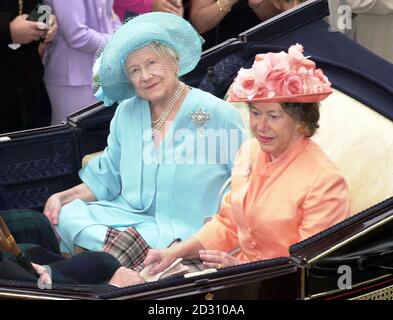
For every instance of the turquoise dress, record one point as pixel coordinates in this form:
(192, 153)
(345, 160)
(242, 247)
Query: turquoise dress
(164, 193)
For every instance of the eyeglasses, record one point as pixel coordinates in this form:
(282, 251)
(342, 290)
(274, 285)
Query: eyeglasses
(150, 67)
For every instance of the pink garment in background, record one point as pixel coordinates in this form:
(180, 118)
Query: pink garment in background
(138, 6)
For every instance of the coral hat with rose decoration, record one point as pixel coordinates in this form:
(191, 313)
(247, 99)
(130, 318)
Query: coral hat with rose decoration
(281, 77)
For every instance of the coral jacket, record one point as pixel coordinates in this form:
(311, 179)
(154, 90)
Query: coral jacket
(274, 204)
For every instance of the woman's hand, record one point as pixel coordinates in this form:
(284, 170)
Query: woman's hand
(24, 31)
(56, 201)
(253, 4)
(52, 31)
(217, 259)
(265, 9)
(43, 273)
(187, 249)
(52, 208)
(170, 6)
(161, 258)
(124, 277)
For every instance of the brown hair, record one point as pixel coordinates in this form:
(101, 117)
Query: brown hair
(306, 114)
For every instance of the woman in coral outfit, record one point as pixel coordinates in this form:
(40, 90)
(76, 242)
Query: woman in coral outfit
(284, 188)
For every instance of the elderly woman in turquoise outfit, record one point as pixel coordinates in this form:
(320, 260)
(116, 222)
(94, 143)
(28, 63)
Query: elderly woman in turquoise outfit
(170, 147)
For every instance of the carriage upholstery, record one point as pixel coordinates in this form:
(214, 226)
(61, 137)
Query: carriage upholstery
(360, 141)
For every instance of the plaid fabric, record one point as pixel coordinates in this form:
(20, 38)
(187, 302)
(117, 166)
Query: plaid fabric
(32, 227)
(131, 249)
(127, 246)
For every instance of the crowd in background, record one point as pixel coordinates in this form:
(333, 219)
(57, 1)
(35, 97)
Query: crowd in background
(370, 23)
(48, 68)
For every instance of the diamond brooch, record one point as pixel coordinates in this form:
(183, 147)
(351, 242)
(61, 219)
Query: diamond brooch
(200, 119)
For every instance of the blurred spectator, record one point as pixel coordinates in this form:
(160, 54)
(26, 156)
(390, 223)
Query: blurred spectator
(21, 86)
(281, 5)
(84, 28)
(372, 20)
(219, 20)
(129, 8)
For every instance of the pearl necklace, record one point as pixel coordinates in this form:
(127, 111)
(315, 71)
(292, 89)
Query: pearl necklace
(157, 124)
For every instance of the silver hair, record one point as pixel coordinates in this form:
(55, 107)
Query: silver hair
(161, 48)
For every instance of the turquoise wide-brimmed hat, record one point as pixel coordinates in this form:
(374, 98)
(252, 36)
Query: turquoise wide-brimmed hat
(138, 32)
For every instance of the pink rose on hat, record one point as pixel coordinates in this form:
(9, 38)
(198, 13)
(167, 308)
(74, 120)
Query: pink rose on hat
(281, 76)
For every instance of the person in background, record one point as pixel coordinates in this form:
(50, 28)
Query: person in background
(89, 268)
(284, 188)
(219, 20)
(283, 5)
(84, 28)
(369, 22)
(21, 85)
(38, 244)
(126, 9)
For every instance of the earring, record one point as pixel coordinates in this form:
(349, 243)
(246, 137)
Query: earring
(305, 131)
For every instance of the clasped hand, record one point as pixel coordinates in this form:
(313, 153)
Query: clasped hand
(24, 31)
(210, 258)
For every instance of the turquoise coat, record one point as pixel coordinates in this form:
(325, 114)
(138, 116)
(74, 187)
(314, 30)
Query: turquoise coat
(165, 192)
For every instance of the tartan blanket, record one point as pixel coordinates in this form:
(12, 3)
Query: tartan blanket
(131, 249)
(127, 246)
(31, 227)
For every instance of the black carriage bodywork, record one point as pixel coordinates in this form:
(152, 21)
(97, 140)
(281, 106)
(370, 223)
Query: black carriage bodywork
(36, 163)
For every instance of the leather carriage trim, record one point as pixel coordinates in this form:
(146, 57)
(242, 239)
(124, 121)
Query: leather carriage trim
(39, 294)
(141, 289)
(347, 292)
(350, 239)
(29, 296)
(31, 286)
(343, 224)
(74, 119)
